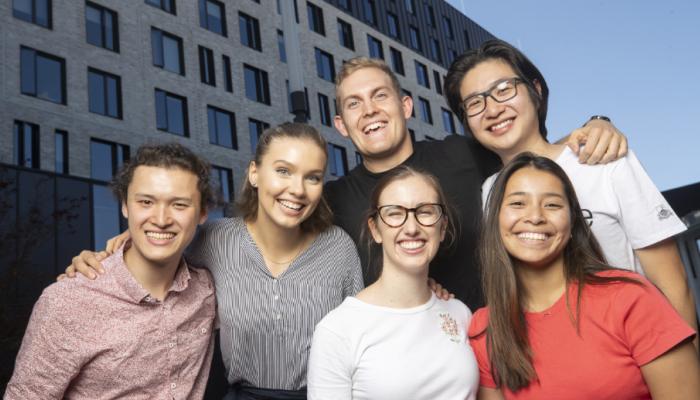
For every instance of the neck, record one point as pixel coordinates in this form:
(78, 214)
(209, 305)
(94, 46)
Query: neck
(383, 163)
(397, 289)
(543, 286)
(155, 278)
(536, 144)
(276, 242)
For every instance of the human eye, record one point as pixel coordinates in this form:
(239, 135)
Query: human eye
(315, 178)
(181, 205)
(473, 103)
(282, 170)
(381, 95)
(516, 203)
(145, 202)
(352, 104)
(554, 205)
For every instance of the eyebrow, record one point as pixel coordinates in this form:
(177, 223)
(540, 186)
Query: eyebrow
(148, 196)
(287, 163)
(546, 194)
(372, 93)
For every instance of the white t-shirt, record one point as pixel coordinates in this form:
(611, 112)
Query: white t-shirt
(363, 351)
(624, 208)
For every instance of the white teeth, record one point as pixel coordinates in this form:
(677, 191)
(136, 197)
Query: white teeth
(374, 126)
(532, 236)
(160, 235)
(291, 205)
(502, 124)
(412, 244)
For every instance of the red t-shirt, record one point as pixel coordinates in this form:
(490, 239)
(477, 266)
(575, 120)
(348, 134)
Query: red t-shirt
(623, 326)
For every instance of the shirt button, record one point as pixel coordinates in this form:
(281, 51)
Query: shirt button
(278, 316)
(276, 297)
(171, 345)
(204, 330)
(173, 385)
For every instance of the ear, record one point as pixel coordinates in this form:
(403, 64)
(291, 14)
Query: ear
(203, 215)
(340, 125)
(253, 174)
(538, 87)
(407, 106)
(374, 230)
(443, 229)
(125, 211)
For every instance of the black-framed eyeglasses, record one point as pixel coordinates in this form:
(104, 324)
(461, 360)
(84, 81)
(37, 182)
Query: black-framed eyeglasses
(501, 92)
(426, 214)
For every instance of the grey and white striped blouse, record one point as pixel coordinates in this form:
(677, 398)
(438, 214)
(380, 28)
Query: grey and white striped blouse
(267, 323)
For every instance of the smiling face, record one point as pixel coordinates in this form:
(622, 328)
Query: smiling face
(412, 246)
(373, 115)
(289, 181)
(506, 128)
(163, 210)
(534, 219)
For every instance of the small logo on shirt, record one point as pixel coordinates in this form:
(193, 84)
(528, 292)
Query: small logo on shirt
(663, 212)
(449, 326)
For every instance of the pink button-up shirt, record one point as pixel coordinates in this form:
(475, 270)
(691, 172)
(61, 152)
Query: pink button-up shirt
(109, 339)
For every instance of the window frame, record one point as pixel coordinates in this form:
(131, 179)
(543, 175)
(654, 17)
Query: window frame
(34, 91)
(185, 116)
(262, 94)
(106, 95)
(33, 16)
(204, 16)
(103, 11)
(217, 133)
(158, 35)
(207, 70)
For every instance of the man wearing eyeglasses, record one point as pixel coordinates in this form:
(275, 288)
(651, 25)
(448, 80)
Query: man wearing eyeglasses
(373, 114)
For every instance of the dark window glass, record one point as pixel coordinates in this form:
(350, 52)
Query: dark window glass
(345, 34)
(337, 163)
(222, 127)
(369, 11)
(106, 158)
(315, 16)
(466, 40)
(42, 75)
(104, 93)
(415, 38)
(447, 27)
(410, 6)
(409, 94)
(438, 84)
(61, 151)
(171, 113)
(222, 180)
(102, 28)
(448, 121)
(249, 28)
(281, 47)
(228, 81)
(26, 141)
(165, 5)
(212, 16)
(435, 52)
(34, 11)
(451, 56)
(255, 129)
(422, 74)
(324, 110)
(325, 68)
(345, 4)
(256, 84)
(430, 14)
(167, 51)
(375, 47)
(206, 66)
(425, 113)
(396, 61)
(393, 25)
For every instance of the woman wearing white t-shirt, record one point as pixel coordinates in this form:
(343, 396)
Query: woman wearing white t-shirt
(502, 99)
(395, 339)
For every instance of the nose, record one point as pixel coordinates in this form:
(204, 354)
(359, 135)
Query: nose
(535, 215)
(411, 224)
(493, 108)
(296, 186)
(161, 215)
(369, 108)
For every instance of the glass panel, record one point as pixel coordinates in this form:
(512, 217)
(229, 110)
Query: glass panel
(113, 97)
(43, 13)
(161, 111)
(49, 85)
(22, 9)
(157, 47)
(250, 84)
(105, 210)
(96, 92)
(211, 123)
(109, 29)
(223, 127)
(28, 71)
(171, 54)
(93, 25)
(60, 150)
(214, 19)
(176, 116)
(101, 161)
(28, 145)
(243, 30)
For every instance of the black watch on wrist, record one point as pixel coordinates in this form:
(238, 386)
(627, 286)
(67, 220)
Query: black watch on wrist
(600, 117)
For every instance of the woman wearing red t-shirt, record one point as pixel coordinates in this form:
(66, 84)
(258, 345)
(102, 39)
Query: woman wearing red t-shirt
(559, 322)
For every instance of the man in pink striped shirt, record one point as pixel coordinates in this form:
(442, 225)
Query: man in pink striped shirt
(144, 330)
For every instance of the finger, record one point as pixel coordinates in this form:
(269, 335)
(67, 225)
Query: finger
(600, 147)
(60, 277)
(90, 260)
(70, 272)
(623, 148)
(575, 140)
(611, 152)
(593, 135)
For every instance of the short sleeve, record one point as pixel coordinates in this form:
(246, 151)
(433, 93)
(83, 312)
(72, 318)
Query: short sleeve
(645, 214)
(204, 248)
(477, 340)
(650, 325)
(329, 373)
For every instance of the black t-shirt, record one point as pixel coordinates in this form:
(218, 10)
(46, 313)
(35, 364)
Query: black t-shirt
(461, 165)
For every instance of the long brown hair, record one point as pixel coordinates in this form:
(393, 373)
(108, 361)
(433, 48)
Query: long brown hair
(507, 341)
(247, 205)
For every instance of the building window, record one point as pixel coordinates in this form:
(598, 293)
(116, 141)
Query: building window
(42, 75)
(345, 35)
(409, 94)
(35, 11)
(222, 180)
(165, 5)
(61, 151)
(438, 84)
(447, 27)
(102, 27)
(393, 25)
(222, 127)
(422, 74)
(250, 31)
(256, 84)
(414, 38)
(345, 5)
(315, 16)
(369, 11)
(104, 93)
(206, 66)
(255, 129)
(410, 6)
(325, 68)
(228, 81)
(324, 109)
(396, 61)
(26, 140)
(105, 160)
(212, 16)
(167, 51)
(281, 47)
(425, 113)
(375, 47)
(435, 52)
(448, 121)
(337, 163)
(430, 14)
(171, 113)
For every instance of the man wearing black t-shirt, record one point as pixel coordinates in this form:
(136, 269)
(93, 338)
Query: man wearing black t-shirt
(373, 115)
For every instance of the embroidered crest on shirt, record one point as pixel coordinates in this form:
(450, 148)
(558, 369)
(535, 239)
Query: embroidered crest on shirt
(663, 212)
(449, 326)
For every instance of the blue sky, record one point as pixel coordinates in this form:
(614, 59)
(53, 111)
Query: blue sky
(635, 61)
